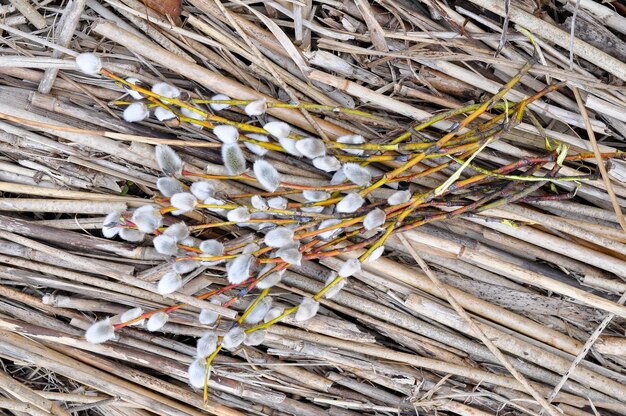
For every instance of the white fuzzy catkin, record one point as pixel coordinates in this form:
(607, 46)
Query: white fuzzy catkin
(233, 338)
(250, 248)
(233, 159)
(278, 129)
(350, 203)
(375, 218)
(136, 112)
(207, 316)
(165, 244)
(270, 280)
(211, 248)
(239, 268)
(134, 94)
(169, 186)
(166, 90)
(277, 202)
(290, 255)
(100, 332)
(214, 201)
(311, 147)
(330, 293)
(327, 163)
(178, 231)
(131, 315)
(256, 108)
(255, 338)
(169, 283)
(315, 196)
(290, 146)
(163, 114)
(273, 314)
(267, 175)
(202, 190)
(255, 148)
(167, 159)
(258, 202)
(194, 115)
(330, 233)
(375, 255)
(357, 174)
(314, 209)
(338, 178)
(352, 139)
(185, 266)
(257, 314)
(156, 321)
(219, 106)
(88, 63)
(350, 267)
(226, 133)
(399, 197)
(279, 237)
(206, 344)
(111, 224)
(308, 309)
(238, 215)
(131, 235)
(197, 373)
(183, 201)
(147, 218)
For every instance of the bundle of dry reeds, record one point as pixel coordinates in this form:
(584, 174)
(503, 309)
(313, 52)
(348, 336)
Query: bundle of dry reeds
(312, 207)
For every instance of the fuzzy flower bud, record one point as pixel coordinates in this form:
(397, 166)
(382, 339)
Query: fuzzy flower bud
(134, 94)
(135, 112)
(256, 108)
(217, 106)
(233, 338)
(350, 267)
(166, 90)
(308, 309)
(163, 114)
(226, 133)
(350, 203)
(131, 315)
(206, 344)
(357, 174)
(88, 63)
(399, 197)
(311, 147)
(169, 186)
(183, 201)
(169, 283)
(327, 163)
(267, 175)
(257, 314)
(100, 332)
(156, 321)
(233, 159)
(279, 237)
(167, 159)
(239, 268)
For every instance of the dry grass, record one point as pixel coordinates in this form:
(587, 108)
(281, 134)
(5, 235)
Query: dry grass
(502, 287)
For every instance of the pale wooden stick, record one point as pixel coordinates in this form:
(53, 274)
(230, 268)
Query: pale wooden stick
(203, 76)
(475, 328)
(30, 396)
(553, 34)
(596, 152)
(30, 13)
(69, 22)
(60, 206)
(131, 280)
